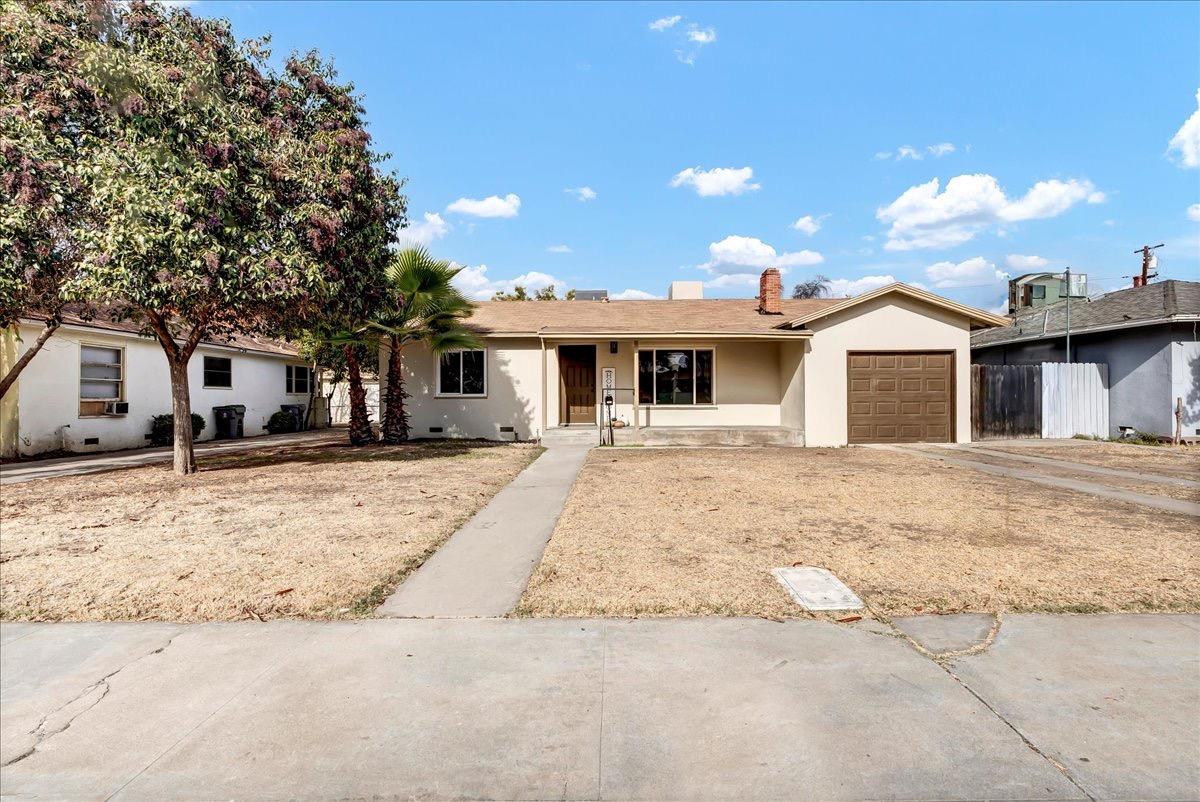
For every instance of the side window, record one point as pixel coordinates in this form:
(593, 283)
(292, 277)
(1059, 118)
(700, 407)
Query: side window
(462, 373)
(218, 371)
(101, 377)
(299, 379)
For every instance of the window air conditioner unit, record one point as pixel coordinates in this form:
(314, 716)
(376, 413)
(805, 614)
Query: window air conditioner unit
(116, 408)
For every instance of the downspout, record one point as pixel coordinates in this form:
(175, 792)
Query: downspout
(637, 415)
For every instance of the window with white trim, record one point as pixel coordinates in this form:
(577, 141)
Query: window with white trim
(299, 380)
(675, 376)
(462, 373)
(101, 373)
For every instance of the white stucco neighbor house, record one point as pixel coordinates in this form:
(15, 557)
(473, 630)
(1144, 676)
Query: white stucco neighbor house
(889, 366)
(95, 385)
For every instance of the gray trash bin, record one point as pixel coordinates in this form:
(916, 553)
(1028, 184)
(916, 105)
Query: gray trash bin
(297, 411)
(230, 421)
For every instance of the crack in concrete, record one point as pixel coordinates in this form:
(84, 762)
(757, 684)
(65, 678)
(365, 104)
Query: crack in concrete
(44, 731)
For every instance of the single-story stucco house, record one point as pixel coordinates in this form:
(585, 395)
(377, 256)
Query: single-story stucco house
(1149, 337)
(889, 366)
(96, 383)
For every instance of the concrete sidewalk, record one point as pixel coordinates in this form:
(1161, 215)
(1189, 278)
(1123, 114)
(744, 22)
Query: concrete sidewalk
(14, 472)
(1056, 708)
(483, 568)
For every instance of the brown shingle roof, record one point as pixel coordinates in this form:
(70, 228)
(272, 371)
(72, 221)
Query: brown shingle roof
(101, 322)
(712, 316)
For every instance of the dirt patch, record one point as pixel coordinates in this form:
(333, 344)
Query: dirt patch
(693, 532)
(313, 531)
(1182, 462)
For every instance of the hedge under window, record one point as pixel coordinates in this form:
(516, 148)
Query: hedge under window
(675, 377)
(462, 373)
(218, 371)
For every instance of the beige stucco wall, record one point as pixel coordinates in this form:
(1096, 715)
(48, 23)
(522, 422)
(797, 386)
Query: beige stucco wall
(889, 323)
(791, 384)
(514, 381)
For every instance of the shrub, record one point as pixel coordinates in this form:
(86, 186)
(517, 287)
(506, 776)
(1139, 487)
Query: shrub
(282, 421)
(162, 429)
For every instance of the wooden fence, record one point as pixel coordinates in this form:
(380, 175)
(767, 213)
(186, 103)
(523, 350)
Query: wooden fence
(1053, 399)
(1006, 401)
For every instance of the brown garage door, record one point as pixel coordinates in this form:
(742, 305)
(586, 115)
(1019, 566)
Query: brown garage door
(900, 397)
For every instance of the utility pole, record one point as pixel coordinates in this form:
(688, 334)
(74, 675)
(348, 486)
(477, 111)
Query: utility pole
(1068, 280)
(1140, 281)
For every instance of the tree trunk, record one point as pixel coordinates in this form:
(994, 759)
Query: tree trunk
(360, 425)
(395, 419)
(11, 376)
(181, 408)
(310, 414)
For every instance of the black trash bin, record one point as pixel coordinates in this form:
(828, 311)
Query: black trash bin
(297, 411)
(230, 421)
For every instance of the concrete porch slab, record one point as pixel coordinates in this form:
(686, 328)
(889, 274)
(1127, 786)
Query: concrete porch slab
(710, 436)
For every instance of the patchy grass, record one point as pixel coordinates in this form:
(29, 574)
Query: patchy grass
(322, 531)
(1182, 462)
(691, 532)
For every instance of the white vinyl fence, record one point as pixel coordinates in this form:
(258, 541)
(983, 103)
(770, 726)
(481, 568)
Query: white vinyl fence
(1074, 399)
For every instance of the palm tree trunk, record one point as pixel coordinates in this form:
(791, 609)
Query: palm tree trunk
(395, 419)
(360, 424)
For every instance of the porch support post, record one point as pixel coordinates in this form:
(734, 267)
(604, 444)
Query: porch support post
(545, 415)
(637, 419)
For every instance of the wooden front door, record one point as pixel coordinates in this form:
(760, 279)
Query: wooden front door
(577, 369)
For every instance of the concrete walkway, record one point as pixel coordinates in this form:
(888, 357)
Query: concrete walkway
(962, 458)
(483, 568)
(1077, 707)
(1078, 467)
(15, 472)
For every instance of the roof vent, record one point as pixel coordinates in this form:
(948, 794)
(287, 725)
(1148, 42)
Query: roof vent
(686, 290)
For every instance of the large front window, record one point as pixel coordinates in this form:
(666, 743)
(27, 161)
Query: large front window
(675, 376)
(462, 373)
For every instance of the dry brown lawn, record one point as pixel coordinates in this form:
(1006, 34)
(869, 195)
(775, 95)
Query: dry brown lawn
(1179, 461)
(693, 532)
(314, 531)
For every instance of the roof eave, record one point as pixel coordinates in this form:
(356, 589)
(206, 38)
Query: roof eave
(974, 315)
(1125, 324)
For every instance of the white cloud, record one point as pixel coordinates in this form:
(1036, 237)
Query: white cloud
(693, 41)
(916, 154)
(848, 288)
(1193, 212)
(665, 22)
(705, 36)
(558, 249)
(967, 273)
(475, 283)
(582, 194)
(491, 206)
(924, 217)
(434, 227)
(1187, 139)
(738, 261)
(1020, 262)
(808, 224)
(633, 295)
(718, 181)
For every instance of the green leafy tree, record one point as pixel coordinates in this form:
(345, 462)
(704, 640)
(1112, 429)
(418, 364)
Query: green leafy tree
(343, 355)
(45, 114)
(231, 199)
(519, 293)
(423, 306)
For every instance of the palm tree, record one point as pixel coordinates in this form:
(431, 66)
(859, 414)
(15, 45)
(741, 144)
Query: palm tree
(816, 287)
(425, 307)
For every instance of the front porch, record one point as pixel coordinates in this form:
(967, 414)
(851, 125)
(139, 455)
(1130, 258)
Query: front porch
(686, 436)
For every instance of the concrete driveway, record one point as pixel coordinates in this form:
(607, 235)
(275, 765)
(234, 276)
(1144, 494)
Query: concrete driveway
(1101, 707)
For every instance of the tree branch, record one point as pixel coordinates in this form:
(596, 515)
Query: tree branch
(10, 377)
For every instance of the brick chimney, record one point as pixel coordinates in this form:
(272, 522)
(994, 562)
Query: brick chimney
(770, 292)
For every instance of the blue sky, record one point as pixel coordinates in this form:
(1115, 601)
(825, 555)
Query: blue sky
(714, 140)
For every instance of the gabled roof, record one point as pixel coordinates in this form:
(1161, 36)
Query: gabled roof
(720, 317)
(978, 317)
(1153, 304)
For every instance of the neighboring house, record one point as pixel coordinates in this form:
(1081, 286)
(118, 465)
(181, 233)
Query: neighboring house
(1146, 335)
(72, 394)
(888, 366)
(1039, 289)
